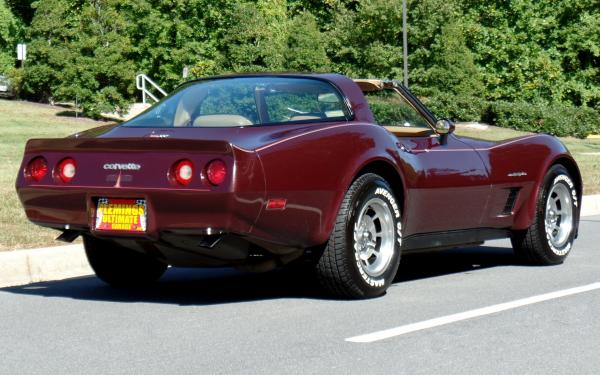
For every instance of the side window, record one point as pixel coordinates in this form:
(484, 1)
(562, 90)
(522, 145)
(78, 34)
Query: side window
(391, 109)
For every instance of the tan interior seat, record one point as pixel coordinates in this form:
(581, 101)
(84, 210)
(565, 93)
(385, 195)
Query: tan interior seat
(304, 117)
(334, 113)
(182, 115)
(221, 120)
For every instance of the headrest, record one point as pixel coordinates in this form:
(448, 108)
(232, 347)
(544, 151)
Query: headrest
(221, 120)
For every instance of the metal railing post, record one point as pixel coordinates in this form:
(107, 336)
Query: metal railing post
(140, 84)
(143, 91)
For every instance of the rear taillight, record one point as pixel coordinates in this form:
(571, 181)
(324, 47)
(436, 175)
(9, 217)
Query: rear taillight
(65, 170)
(216, 171)
(36, 169)
(183, 171)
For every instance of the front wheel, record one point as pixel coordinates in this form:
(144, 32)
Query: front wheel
(119, 266)
(363, 252)
(550, 237)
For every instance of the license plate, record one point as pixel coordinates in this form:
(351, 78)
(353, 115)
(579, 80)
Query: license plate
(123, 215)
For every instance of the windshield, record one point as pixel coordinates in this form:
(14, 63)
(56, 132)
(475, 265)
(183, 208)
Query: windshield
(246, 101)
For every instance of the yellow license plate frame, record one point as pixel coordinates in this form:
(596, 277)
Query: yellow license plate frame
(121, 215)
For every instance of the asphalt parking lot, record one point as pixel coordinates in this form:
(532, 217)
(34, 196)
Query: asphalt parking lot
(224, 321)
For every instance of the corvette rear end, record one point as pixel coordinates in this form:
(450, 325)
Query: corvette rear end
(180, 194)
(182, 184)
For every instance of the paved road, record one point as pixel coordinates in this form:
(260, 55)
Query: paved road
(222, 321)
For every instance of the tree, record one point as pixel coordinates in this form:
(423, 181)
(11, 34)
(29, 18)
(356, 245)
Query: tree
(467, 52)
(578, 41)
(305, 45)
(537, 51)
(451, 69)
(366, 42)
(257, 37)
(80, 51)
(167, 36)
(10, 32)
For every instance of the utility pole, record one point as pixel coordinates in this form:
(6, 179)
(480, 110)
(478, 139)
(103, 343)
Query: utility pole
(404, 43)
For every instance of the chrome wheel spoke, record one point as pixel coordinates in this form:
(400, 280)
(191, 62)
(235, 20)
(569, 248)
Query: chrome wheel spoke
(558, 215)
(374, 237)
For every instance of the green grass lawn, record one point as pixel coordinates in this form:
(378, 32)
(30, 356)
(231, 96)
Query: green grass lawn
(20, 121)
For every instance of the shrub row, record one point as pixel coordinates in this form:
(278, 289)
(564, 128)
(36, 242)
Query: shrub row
(557, 119)
(457, 108)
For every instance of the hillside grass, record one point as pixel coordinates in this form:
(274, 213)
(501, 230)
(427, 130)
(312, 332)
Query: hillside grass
(20, 121)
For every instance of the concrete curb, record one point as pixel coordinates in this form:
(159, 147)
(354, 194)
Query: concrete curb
(20, 267)
(590, 205)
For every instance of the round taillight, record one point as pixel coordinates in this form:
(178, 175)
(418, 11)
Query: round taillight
(183, 171)
(37, 168)
(216, 171)
(66, 169)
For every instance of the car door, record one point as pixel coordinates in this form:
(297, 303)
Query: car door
(447, 182)
(450, 186)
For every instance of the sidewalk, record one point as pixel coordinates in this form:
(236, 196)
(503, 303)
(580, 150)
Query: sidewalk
(19, 267)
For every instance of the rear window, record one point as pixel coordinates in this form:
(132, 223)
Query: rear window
(246, 101)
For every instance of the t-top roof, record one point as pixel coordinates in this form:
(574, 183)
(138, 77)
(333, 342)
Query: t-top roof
(370, 85)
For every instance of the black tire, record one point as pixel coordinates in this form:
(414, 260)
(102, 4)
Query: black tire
(119, 266)
(535, 246)
(340, 269)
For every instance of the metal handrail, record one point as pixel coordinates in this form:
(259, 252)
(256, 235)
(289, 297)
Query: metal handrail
(140, 84)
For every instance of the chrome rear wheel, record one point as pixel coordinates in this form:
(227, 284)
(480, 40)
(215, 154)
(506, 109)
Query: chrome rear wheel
(374, 237)
(362, 255)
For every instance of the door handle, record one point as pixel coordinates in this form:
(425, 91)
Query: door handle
(403, 148)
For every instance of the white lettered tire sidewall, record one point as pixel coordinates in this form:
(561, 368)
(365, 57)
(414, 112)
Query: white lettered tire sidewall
(376, 188)
(559, 175)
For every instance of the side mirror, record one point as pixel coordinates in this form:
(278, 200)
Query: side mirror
(444, 127)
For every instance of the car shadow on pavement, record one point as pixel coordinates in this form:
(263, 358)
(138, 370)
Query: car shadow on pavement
(221, 286)
(432, 264)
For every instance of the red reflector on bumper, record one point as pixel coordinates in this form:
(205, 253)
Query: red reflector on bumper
(276, 204)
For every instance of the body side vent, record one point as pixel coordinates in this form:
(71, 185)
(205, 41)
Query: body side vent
(510, 201)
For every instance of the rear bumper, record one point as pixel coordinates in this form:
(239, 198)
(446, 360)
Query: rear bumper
(185, 228)
(168, 210)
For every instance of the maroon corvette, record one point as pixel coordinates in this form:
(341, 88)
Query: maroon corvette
(260, 171)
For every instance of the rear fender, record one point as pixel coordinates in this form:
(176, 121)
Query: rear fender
(313, 172)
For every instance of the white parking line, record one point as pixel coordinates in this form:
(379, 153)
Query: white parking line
(431, 323)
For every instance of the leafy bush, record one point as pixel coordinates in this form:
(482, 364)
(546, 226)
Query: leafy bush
(556, 119)
(457, 107)
(16, 80)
